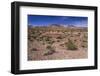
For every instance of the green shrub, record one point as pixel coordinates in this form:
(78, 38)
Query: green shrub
(50, 51)
(70, 45)
(49, 47)
(47, 38)
(85, 36)
(59, 37)
(34, 49)
(84, 45)
(84, 40)
(50, 42)
(58, 40)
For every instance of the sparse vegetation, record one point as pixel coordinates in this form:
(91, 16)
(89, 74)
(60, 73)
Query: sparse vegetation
(70, 45)
(34, 49)
(51, 50)
(58, 40)
(84, 44)
(59, 37)
(48, 41)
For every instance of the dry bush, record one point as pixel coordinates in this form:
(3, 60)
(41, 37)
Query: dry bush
(70, 45)
(51, 50)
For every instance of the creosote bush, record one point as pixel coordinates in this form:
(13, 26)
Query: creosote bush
(70, 45)
(51, 50)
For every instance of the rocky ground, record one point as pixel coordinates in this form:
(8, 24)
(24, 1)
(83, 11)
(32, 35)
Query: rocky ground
(53, 46)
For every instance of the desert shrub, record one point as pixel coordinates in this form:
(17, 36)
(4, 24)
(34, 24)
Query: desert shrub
(32, 36)
(85, 36)
(29, 57)
(75, 40)
(62, 45)
(79, 33)
(51, 50)
(70, 45)
(34, 49)
(71, 36)
(59, 37)
(51, 42)
(84, 45)
(58, 40)
(48, 47)
(48, 53)
(42, 38)
(43, 43)
(47, 38)
(84, 40)
(64, 32)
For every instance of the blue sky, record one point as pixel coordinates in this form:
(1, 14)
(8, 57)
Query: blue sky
(44, 20)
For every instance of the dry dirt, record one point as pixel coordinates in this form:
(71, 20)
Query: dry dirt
(37, 50)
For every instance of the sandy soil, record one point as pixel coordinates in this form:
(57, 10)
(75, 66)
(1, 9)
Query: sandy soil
(38, 42)
(61, 53)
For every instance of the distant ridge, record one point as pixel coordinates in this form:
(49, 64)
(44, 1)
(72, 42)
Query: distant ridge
(59, 25)
(71, 26)
(56, 25)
